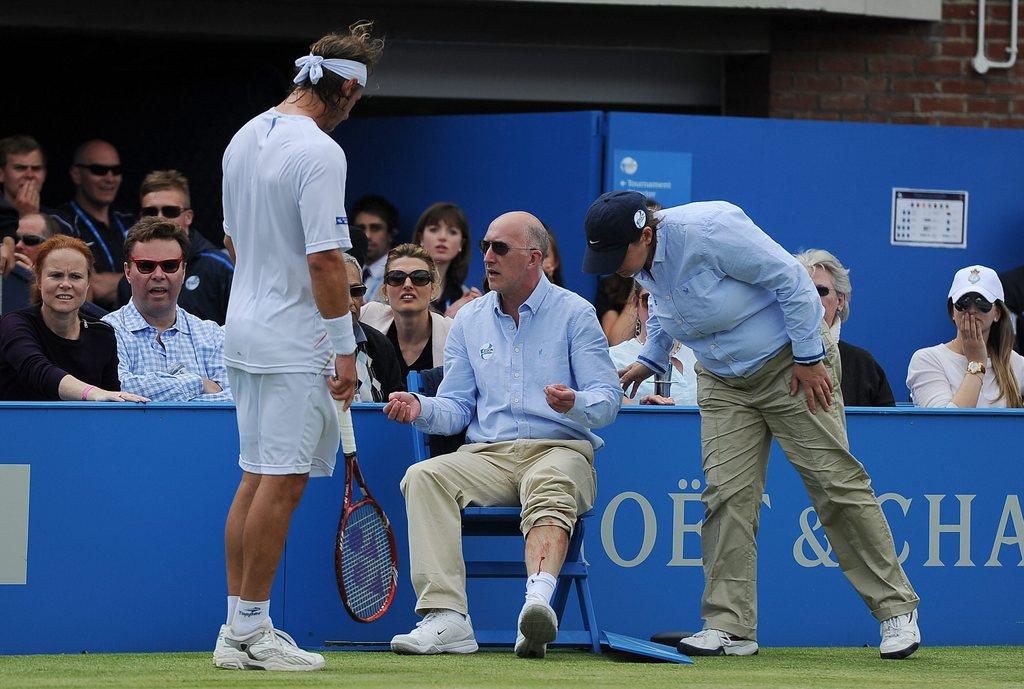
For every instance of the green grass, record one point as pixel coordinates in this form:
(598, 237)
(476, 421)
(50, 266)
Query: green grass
(832, 668)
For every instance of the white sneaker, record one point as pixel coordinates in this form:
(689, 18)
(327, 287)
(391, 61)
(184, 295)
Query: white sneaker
(900, 636)
(225, 656)
(538, 626)
(440, 631)
(271, 649)
(713, 642)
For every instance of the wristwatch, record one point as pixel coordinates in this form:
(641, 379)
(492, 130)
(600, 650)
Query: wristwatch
(976, 367)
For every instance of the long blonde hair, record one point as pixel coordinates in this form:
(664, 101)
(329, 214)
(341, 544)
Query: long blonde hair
(1000, 348)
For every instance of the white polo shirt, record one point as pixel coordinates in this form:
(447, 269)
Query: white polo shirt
(284, 198)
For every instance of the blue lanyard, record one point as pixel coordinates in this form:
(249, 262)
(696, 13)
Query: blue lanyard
(99, 239)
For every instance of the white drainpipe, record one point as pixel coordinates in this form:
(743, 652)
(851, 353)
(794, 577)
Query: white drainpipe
(980, 62)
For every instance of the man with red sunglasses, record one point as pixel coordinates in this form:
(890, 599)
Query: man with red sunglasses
(162, 349)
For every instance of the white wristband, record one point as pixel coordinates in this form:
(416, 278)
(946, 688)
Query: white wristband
(341, 334)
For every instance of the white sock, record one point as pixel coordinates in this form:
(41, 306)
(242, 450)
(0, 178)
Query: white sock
(446, 612)
(232, 604)
(248, 617)
(541, 586)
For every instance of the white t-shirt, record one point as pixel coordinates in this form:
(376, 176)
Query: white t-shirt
(284, 198)
(684, 385)
(936, 373)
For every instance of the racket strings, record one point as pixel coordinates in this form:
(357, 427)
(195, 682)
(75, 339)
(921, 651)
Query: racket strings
(367, 569)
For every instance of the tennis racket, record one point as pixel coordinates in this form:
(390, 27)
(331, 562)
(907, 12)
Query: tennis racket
(365, 555)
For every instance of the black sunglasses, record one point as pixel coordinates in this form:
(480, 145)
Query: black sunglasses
(165, 211)
(501, 248)
(146, 266)
(822, 290)
(396, 278)
(982, 304)
(29, 239)
(357, 290)
(101, 170)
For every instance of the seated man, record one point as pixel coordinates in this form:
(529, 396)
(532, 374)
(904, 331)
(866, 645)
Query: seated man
(32, 231)
(526, 366)
(863, 380)
(164, 352)
(376, 362)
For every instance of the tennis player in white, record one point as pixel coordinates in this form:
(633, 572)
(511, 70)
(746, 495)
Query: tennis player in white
(289, 340)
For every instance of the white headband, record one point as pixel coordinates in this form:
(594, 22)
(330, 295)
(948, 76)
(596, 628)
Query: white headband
(313, 66)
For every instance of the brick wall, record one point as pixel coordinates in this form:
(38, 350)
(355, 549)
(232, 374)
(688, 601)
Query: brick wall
(826, 68)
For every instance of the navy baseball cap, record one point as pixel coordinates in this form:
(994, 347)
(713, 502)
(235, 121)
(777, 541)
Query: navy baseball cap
(614, 221)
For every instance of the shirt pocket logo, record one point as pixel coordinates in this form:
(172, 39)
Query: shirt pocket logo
(487, 351)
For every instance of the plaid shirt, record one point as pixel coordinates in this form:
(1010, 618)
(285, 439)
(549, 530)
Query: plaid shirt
(169, 366)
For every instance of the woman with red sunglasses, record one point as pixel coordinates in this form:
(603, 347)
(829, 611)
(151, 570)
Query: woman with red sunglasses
(978, 367)
(51, 351)
(411, 283)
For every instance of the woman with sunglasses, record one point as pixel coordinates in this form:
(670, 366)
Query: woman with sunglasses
(51, 351)
(683, 388)
(978, 367)
(418, 334)
(443, 231)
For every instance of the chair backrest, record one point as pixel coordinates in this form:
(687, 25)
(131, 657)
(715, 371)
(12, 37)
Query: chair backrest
(425, 446)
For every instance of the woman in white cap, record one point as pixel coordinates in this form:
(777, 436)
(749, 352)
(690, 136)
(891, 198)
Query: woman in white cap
(978, 368)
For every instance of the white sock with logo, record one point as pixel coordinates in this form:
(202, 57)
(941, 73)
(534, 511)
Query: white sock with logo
(541, 586)
(232, 604)
(249, 615)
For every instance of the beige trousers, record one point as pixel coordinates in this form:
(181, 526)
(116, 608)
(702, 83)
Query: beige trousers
(553, 481)
(739, 417)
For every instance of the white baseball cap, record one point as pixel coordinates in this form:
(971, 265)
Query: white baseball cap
(979, 279)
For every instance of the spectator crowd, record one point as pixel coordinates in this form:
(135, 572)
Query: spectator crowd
(107, 303)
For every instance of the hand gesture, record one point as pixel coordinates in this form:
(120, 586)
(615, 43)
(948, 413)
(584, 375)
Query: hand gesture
(342, 385)
(969, 329)
(27, 200)
(633, 375)
(99, 395)
(403, 407)
(462, 301)
(560, 397)
(657, 400)
(816, 382)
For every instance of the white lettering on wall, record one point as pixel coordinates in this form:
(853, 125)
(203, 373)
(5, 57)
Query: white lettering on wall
(1011, 510)
(904, 504)
(936, 528)
(608, 529)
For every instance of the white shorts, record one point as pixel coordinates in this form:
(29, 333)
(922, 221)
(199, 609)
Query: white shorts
(287, 423)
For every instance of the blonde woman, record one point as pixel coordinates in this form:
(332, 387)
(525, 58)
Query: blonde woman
(411, 282)
(978, 367)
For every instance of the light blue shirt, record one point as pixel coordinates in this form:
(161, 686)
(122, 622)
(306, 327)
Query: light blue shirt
(169, 366)
(495, 372)
(728, 291)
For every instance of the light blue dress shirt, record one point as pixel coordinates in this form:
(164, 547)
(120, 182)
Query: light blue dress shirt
(171, 367)
(728, 291)
(495, 372)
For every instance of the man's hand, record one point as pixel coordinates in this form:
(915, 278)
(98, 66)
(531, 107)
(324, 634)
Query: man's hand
(657, 400)
(343, 383)
(7, 256)
(469, 296)
(27, 200)
(211, 387)
(634, 374)
(816, 384)
(104, 286)
(560, 397)
(403, 407)
(23, 261)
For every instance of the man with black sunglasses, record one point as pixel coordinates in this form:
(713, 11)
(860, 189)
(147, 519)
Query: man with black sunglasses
(90, 216)
(165, 194)
(30, 233)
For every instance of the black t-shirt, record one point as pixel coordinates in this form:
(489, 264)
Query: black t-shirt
(864, 383)
(33, 359)
(106, 241)
(425, 359)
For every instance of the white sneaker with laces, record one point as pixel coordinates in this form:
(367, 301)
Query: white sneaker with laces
(714, 642)
(225, 656)
(440, 631)
(538, 626)
(900, 636)
(271, 649)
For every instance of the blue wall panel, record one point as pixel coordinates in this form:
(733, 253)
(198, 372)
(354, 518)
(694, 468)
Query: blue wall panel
(126, 528)
(828, 185)
(547, 164)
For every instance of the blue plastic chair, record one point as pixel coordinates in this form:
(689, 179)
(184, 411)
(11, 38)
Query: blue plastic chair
(504, 521)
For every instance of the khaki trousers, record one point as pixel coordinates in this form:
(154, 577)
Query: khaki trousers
(553, 481)
(739, 417)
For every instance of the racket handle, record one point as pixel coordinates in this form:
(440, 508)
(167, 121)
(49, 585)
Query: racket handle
(348, 434)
